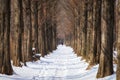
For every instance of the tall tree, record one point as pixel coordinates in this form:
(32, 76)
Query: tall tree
(17, 30)
(1, 36)
(82, 17)
(85, 32)
(27, 37)
(40, 21)
(106, 57)
(5, 62)
(97, 33)
(89, 42)
(118, 40)
(34, 14)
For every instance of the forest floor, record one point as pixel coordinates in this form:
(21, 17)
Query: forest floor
(61, 64)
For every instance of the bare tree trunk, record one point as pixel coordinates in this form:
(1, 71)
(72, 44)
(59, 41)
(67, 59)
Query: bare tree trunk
(85, 50)
(27, 39)
(5, 64)
(106, 56)
(34, 9)
(89, 30)
(1, 36)
(17, 36)
(40, 20)
(118, 40)
(82, 26)
(97, 33)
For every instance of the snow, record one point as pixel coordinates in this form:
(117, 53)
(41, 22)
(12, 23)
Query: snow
(37, 54)
(33, 49)
(61, 64)
(115, 54)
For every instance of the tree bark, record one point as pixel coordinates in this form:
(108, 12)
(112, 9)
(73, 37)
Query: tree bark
(118, 39)
(40, 20)
(34, 14)
(85, 50)
(90, 30)
(17, 36)
(27, 38)
(106, 56)
(97, 34)
(5, 64)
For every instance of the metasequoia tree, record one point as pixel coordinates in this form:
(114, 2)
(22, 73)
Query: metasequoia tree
(27, 33)
(106, 56)
(84, 54)
(1, 35)
(118, 40)
(5, 63)
(97, 33)
(82, 20)
(40, 21)
(34, 15)
(16, 36)
(89, 24)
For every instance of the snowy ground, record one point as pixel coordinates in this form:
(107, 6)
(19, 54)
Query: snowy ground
(61, 64)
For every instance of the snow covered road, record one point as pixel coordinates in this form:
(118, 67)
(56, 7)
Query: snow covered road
(61, 64)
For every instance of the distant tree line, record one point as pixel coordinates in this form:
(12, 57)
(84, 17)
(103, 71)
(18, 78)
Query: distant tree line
(91, 27)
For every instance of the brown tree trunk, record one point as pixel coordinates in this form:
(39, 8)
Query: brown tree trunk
(106, 56)
(1, 36)
(97, 33)
(118, 40)
(5, 64)
(27, 38)
(17, 36)
(85, 50)
(40, 20)
(82, 26)
(89, 30)
(34, 14)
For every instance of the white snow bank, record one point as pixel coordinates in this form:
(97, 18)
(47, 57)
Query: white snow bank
(115, 54)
